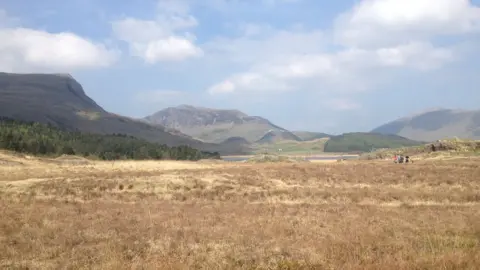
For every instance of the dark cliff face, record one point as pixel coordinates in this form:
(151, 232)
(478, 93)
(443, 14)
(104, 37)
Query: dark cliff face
(59, 90)
(61, 101)
(45, 98)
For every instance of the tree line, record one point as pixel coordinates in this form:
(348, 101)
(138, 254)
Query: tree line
(40, 139)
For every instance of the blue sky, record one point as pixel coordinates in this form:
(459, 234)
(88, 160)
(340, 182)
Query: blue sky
(320, 65)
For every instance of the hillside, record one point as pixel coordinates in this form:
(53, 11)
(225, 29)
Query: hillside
(366, 142)
(236, 140)
(60, 100)
(435, 125)
(310, 136)
(213, 125)
(273, 136)
(39, 139)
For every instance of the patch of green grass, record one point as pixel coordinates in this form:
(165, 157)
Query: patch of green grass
(89, 115)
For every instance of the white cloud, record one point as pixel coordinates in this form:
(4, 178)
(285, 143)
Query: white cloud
(303, 66)
(172, 48)
(389, 22)
(348, 70)
(226, 86)
(161, 39)
(379, 35)
(418, 55)
(247, 82)
(27, 50)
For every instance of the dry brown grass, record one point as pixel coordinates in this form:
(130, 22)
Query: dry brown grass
(186, 215)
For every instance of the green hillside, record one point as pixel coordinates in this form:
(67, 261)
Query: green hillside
(40, 139)
(366, 142)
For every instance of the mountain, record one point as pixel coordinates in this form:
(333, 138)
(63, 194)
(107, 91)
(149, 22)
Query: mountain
(435, 125)
(61, 101)
(213, 125)
(273, 136)
(310, 136)
(366, 142)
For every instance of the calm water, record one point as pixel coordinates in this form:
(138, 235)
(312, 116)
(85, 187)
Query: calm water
(227, 158)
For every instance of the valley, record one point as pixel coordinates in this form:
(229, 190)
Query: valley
(82, 188)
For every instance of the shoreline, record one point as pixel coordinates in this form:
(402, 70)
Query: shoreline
(297, 155)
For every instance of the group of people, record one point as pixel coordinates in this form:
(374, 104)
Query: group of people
(401, 159)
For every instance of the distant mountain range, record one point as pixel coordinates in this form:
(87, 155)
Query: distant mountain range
(435, 124)
(58, 99)
(257, 133)
(217, 126)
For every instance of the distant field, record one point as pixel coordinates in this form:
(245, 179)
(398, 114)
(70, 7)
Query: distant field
(73, 213)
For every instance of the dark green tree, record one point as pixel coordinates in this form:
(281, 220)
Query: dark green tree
(39, 139)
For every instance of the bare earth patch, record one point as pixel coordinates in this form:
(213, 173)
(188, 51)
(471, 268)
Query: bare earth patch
(222, 215)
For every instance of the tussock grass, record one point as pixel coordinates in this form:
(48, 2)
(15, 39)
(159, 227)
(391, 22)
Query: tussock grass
(199, 215)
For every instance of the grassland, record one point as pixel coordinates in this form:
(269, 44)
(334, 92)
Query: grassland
(79, 214)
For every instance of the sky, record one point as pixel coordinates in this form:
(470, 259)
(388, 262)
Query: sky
(318, 65)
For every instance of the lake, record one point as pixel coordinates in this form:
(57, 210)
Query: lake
(243, 158)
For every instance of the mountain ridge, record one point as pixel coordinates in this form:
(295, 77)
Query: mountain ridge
(213, 125)
(435, 124)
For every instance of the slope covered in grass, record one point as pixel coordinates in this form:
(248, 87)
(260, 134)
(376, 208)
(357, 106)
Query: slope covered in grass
(366, 142)
(40, 139)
